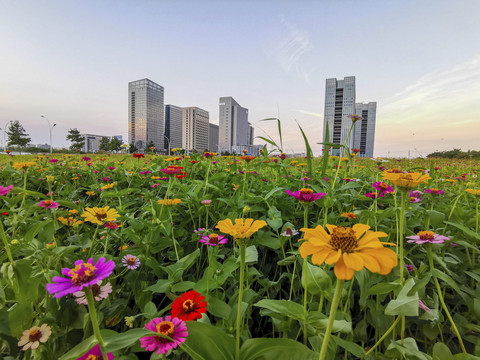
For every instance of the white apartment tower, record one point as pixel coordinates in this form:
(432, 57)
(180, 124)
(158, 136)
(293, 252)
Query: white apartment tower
(364, 130)
(145, 113)
(195, 129)
(234, 132)
(339, 104)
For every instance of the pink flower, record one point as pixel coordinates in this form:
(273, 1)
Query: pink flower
(373, 195)
(174, 328)
(48, 204)
(111, 168)
(435, 191)
(206, 202)
(53, 160)
(99, 293)
(86, 158)
(422, 306)
(213, 239)
(95, 353)
(5, 190)
(382, 187)
(305, 195)
(427, 237)
(131, 262)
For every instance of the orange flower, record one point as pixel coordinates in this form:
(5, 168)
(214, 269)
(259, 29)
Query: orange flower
(241, 230)
(350, 249)
(406, 181)
(350, 215)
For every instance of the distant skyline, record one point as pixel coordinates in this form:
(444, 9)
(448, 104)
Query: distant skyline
(71, 61)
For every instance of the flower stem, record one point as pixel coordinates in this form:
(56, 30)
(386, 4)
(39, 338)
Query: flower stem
(401, 232)
(93, 242)
(240, 297)
(92, 312)
(331, 318)
(5, 242)
(383, 336)
(340, 155)
(305, 278)
(442, 301)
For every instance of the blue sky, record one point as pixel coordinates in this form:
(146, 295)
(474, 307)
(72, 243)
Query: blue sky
(420, 60)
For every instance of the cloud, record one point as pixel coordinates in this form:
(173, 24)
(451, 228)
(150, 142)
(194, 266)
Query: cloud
(310, 113)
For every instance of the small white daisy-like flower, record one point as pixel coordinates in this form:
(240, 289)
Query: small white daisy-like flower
(131, 262)
(32, 337)
(99, 293)
(289, 232)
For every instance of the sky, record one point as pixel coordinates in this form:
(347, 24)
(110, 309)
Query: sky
(71, 61)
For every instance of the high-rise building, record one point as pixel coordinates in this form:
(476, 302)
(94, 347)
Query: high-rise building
(364, 130)
(339, 104)
(213, 138)
(233, 125)
(173, 126)
(195, 129)
(145, 114)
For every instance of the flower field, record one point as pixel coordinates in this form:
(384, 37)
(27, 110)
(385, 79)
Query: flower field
(206, 257)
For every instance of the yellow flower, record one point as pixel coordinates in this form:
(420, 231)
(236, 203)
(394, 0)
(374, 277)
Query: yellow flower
(169, 202)
(75, 178)
(241, 230)
(109, 186)
(350, 215)
(90, 193)
(73, 211)
(475, 192)
(22, 165)
(70, 221)
(50, 179)
(235, 187)
(405, 181)
(99, 216)
(348, 249)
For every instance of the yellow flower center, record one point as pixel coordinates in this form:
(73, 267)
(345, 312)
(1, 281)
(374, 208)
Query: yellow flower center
(93, 357)
(100, 214)
(343, 238)
(426, 235)
(82, 273)
(48, 202)
(131, 261)
(383, 186)
(434, 191)
(306, 191)
(213, 238)
(188, 305)
(34, 335)
(165, 328)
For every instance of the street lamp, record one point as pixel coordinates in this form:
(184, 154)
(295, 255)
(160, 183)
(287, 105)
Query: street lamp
(4, 138)
(50, 127)
(165, 136)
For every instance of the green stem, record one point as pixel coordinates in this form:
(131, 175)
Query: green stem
(240, 297)
(383, 336)
(442, 301)
(173, 237)
(305, 278)
(93, 242)
(331, 318)
(401, 232)
(5, 242)
(340, 155)
(92, 312)
(24, 187)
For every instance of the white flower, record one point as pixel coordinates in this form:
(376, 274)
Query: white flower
(289, 232)
(32, 337)
(99, 293)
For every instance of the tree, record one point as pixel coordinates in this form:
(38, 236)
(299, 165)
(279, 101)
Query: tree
(115, 144)
(132, 149)
(76, 139)
(17, 135)
(104, 144)
(150, 145)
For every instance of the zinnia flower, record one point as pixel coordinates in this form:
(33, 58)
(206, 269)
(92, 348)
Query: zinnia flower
(242, 229)
(423, 237)
(355, 118)
(138, 156)
(382, 187)
(21, 165)
(206, 202)
(48, 204)
(171, 170)
(305, 195)
(131, 262)
(405, 181)
(70, 221)
(174, 328)
(435, 191)
(32, 337)
(351, 249)
(289, 232)
(95, 354)
(373, 195)
(5, 190)
(169, 202)
(189, 306)
(84, 274)
(475, 192)
(350, 215)
(99, 216)
(213, 239)
(99, 293)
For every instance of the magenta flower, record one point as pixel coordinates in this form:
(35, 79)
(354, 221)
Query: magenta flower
(53, 160)
(111, 168)
(86, 158)
(410, 267)
(427, 237)
(5, 190)
(435, 191)
(84, 274)
(415, 196)
(170, 170)
(382, 187)
(131, 262)
(99, 293)
(305, 195)
(145, 172)
(213, 239)
(373, 195)
(174, 328)
(48, 204)
(95, 353)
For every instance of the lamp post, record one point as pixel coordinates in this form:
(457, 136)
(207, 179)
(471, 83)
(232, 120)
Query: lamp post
(50, 127)
(4, 138)
(165, 136)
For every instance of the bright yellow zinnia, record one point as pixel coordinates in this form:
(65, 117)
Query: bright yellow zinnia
(169, 202)
(475, 192)
(99, 216)
(241, 230)
(70, 221)
(21, 165)
(109, 186)
(348, 249)
(405, 181)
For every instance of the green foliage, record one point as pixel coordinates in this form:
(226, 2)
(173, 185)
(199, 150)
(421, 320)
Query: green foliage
(17, 135)
(76, 139)
(105, 144)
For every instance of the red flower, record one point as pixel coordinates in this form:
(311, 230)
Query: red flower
(189, 306)
(138, 156)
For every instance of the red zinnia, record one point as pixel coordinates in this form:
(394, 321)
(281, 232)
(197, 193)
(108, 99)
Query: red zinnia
(140, 155)
(189, 306)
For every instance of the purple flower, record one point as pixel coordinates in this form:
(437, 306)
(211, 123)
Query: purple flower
(84, 274)
(213, 239)
(415, 196)
(410, 267)
(174, 328)
(131, 262)
(53, 160)
(305, 195)
(144, 172)
(86, 158)
(95, 353)
(382, 187)
(427, 237)
(5, 190)
(435, 191)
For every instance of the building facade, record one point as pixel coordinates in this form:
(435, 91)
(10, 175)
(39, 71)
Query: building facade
(146, 118)
(195, 126)
(234, 128)
(213, 138)
(173, 126)
(339, 105)
(92, 142)
(364, 130)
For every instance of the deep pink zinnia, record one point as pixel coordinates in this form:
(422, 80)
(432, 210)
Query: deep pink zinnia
(95, 353)
(84, 274)
(170, 170)
(427, 237)
(174, 328)
(305, 195)
(382, 187)
(213, 239)
(5, 190)
(48, 204)
(435, 191)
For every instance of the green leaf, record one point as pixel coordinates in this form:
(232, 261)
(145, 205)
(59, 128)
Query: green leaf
(283, 307)
(80, 349)
(183, 286)
(20, 317)
(162, 286)
(381, 288)
(251, 254)
(465, 230)
(318, 280)
(309, 151)
(404, 304)
(326, 152)
(273, 191)
(218, 308)
(208, 342)
(436, 218)
(441, 352)
(274, 349)
(126, 339)
(408, 350)
(447, 279)
(350, 346)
